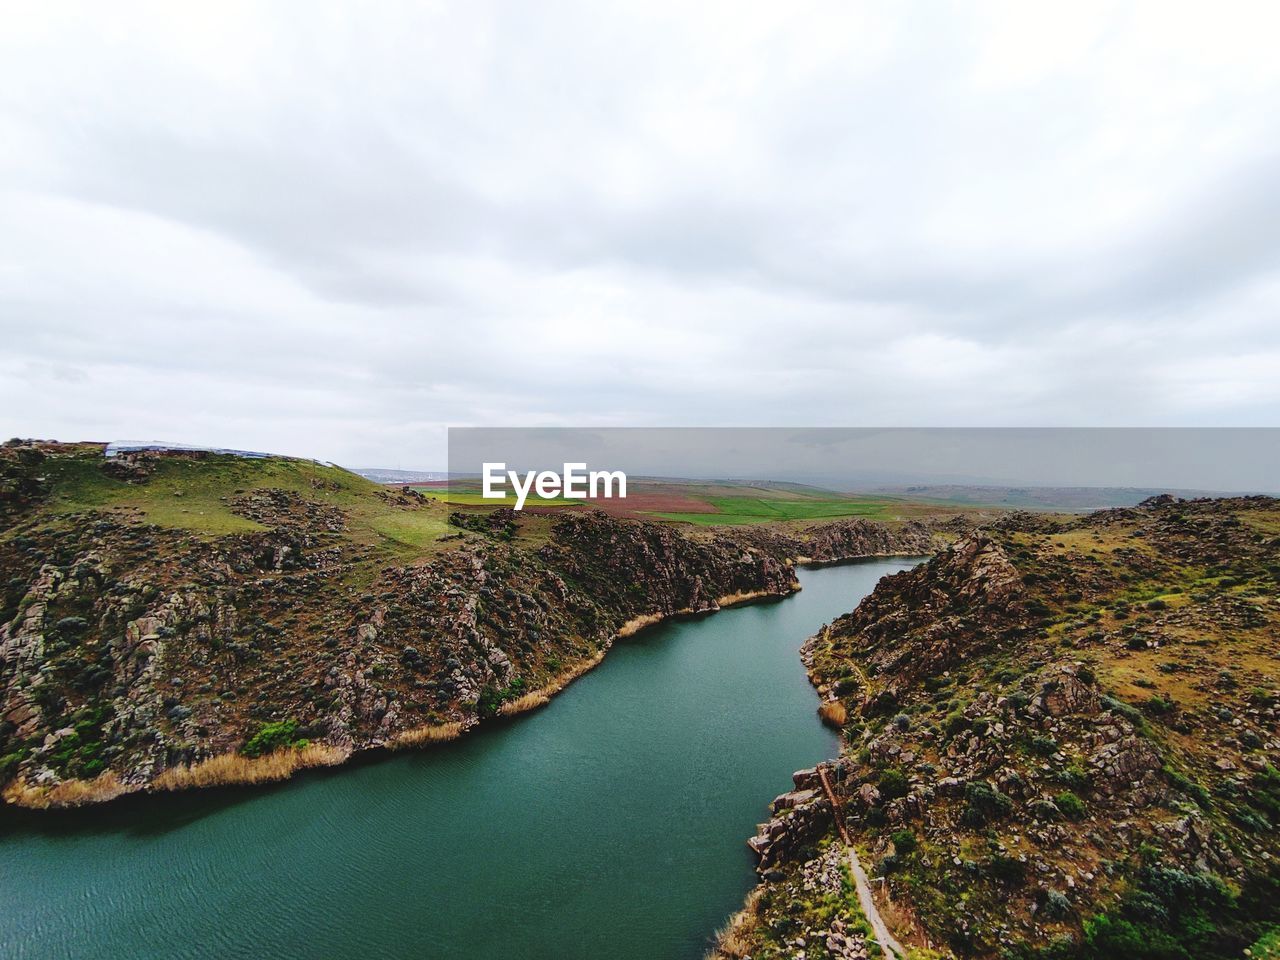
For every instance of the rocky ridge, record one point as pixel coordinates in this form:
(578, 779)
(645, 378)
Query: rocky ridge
(135, 655)
(1062, 741)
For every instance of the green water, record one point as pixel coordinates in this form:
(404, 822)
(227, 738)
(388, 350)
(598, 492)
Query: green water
(610, 824)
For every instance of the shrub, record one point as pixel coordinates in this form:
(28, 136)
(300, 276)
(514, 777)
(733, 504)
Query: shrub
(1265, 792)
(984, 803)
(1172, 915)
(1056, 905)
(1043, 746)
(834, 714)
(1125, 710)
(1188, 786)
(955, 722)
(273, 736)
(1074, 776)
(893, 784)
(1072, 807)
(1007, 870)
(9, 764)
(904, 842)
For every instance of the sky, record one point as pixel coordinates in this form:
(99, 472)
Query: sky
(336, 230)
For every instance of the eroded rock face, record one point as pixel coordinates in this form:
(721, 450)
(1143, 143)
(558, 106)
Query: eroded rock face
(799, 817)
(974, 575)
(157, 648)
(1065, 693)
(1060, 717)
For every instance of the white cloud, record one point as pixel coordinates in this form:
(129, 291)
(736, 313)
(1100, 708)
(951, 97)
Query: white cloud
(319, 229)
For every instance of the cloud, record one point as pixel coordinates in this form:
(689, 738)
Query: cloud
(325, 231)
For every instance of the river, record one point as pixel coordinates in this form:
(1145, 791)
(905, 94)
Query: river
(609, 824)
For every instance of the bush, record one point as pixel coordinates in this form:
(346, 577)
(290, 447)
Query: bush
(904, 842)
(1056, 905)
(1123, 709)
(1172, 915)
(984, 803)
(1188, 786)
(955, 722)
(272, 737)
(1074, 776)
(893, 784)
(1072, 807)
(1007, 870)
(1043, 746)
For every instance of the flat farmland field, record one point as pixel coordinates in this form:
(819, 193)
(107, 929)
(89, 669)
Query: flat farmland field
(717, 503)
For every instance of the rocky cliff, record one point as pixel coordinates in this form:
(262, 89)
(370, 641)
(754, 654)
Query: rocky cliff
(174, 622)
(1062, 741)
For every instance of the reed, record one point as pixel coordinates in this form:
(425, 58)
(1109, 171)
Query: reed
(228, 769)
(734, 940)
(732, 599)
(636, 624)
(834, 714)
(542, 696)
(530, 701)
(428, 733)
(68, 793)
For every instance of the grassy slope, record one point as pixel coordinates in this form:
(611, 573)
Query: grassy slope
(196, 495)
(1170, 617)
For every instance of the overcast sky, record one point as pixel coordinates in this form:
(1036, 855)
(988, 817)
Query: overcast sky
(334, 230)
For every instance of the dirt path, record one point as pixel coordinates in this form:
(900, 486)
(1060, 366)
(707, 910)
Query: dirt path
(888, 944)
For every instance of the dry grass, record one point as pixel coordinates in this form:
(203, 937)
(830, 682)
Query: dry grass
(636, 624)
(734, 940)
(429, 733)
(543, 695)
(68, 793)
(731, 599)
(530, 701)
(231, 768)
(834, 714)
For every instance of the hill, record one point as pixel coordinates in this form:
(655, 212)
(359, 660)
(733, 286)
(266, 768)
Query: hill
(1061, 742)
(185, 618)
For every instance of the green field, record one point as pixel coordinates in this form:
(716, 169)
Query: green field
(471, 496)
(740, 510)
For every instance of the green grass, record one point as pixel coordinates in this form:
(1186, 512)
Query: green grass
(740, 510)
(472, 497)
(196, 495)
(418, 529)
(1268, 948)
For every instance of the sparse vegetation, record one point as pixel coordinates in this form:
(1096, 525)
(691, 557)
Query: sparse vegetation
(1090, 715)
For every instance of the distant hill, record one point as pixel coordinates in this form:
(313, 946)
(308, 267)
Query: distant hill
(1069, 499)
(384, 475)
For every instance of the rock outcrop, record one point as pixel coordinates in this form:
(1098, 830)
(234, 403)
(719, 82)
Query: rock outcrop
(1062, 739)
(131, 649)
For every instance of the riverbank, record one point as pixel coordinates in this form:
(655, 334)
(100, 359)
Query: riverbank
(663, 752)
(233, 769)
(285, 633)
(1059, 740)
